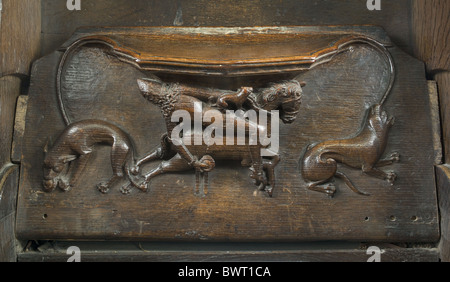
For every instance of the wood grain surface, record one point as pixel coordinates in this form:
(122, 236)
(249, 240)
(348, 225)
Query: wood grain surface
(98, 85)
(16, 50)
(59, 23)
(9, 181)
(431, 29)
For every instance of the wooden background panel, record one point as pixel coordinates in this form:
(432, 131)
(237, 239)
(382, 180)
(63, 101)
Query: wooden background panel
(59, 23)
(233, 210)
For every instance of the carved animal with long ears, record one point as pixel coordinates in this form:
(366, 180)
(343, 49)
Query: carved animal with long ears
(67, 157)
(320, 162)
(284, 96)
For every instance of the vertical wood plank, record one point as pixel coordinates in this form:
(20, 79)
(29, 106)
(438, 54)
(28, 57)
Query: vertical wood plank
(431, 29)
(19, 128)
(434, 104)
(20, 28)
(19, 35)
(9, 176)
(443, 180)
(443, 82)
(9, 91)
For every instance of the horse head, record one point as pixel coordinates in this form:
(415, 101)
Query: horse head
(284, 96)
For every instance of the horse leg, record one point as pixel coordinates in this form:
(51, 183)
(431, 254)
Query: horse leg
(175, 164)
(155, 154)
(257, 167)
(269, 167)
(162, 152)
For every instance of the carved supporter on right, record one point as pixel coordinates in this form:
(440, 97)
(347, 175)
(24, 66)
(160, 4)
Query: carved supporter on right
(319, 163)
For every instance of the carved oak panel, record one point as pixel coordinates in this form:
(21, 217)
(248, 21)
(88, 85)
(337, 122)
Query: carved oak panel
(348, 155)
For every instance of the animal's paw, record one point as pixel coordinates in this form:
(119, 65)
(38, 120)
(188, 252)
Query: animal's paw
(269, 190)
(103, 187)
(135, 170)
(143, 186)
(395, 156)
(49, 185)
(330, 190)
(126, 189)
(258, 176)
(391, 177)
(64, 185)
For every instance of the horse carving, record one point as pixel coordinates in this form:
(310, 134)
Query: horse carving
(180, 152)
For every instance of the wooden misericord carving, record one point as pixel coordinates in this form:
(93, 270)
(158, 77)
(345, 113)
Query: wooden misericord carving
(287, 111)
(319, 163)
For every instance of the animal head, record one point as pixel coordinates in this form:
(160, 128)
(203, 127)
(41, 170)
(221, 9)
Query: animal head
(286, 97)
(51, 176)
(151, 89)
(378, 119)
(163, 95)
(55, 165)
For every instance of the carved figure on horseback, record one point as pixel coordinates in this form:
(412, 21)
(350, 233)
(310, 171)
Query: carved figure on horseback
(227, 126)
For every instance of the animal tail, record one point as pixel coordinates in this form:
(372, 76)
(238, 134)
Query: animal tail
(67, 52)
(383, 50)
(350, 184)
(380, 47)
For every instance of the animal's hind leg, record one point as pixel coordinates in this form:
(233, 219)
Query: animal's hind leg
(175, 164)
(330, 190)
(119, 155)
(162, 152)
(156, 154)
(395, 157)
(350, 184)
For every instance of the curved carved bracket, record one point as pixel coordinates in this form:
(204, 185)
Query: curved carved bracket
(227, 51)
